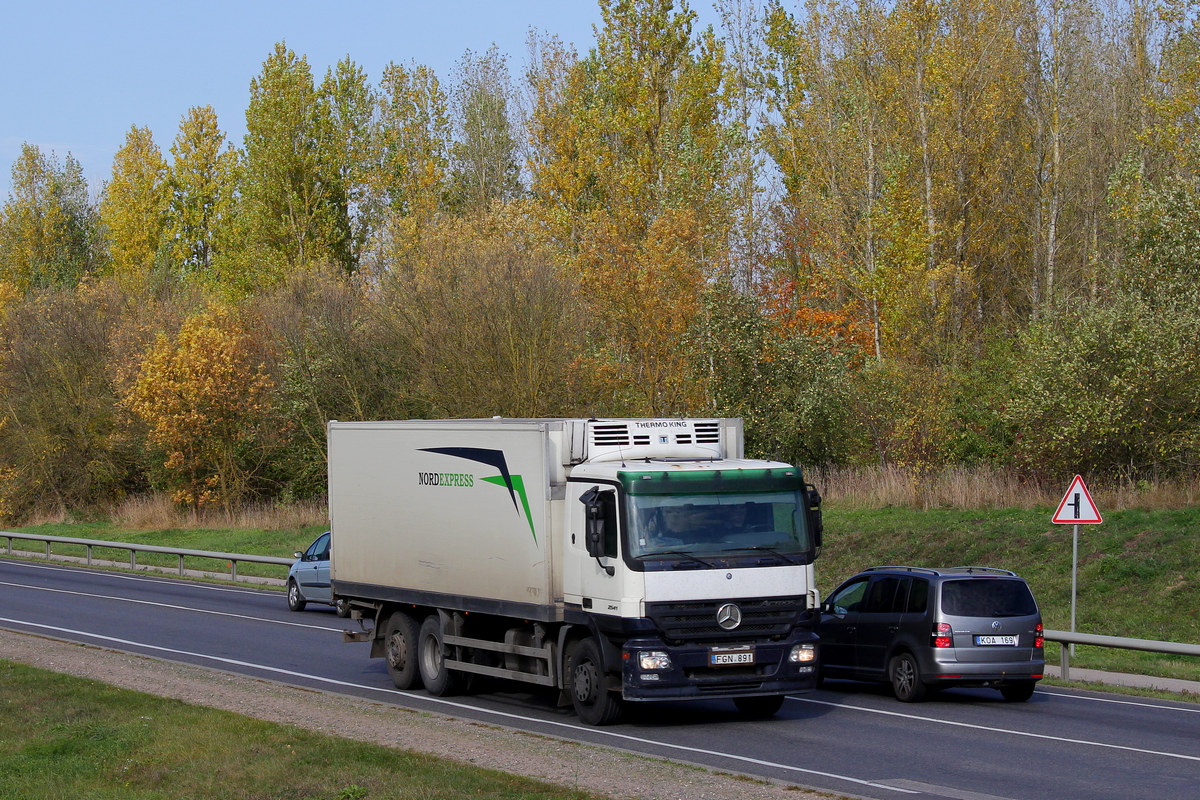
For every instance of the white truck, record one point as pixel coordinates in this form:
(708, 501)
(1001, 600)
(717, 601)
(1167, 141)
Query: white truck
(612, 560)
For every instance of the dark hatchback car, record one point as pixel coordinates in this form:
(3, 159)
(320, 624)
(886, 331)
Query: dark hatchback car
(921, 629)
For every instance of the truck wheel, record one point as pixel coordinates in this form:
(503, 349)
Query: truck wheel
(439, 681)
(594, 702)
(400, 650)
(759, 707)
(906, 679)
(295, 599)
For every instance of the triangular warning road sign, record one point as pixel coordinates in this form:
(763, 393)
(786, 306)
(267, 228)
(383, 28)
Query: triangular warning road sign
(1077, 507)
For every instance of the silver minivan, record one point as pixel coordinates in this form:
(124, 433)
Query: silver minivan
(920, 629)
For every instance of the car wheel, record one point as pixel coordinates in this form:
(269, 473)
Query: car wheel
(759, 707)
(439, 681)
(341, 606)
(1017, 692)
(400, 636)
(591, 688)
(906, 678)
(296, 600)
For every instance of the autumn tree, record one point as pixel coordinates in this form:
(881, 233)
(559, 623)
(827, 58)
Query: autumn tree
(63, 441)
(48, 228)
(629, 155)
(415, 135)
(286, 206)
(349, 158)
(484, 152)
(204, 395)
(202, 182)
(133, 206)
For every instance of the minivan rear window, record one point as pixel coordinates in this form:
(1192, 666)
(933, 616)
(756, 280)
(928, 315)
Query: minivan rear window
(987, 597)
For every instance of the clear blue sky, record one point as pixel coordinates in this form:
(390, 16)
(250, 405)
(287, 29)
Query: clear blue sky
(77, 75)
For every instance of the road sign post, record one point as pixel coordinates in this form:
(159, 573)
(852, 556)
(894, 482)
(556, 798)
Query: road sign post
(1076, 508)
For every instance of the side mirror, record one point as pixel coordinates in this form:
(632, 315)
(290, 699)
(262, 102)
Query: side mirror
(815, 524)
(593, 515)
(594, 524)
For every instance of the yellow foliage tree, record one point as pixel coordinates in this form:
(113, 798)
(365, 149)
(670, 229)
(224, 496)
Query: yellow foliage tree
(134, 206)
(205, 397)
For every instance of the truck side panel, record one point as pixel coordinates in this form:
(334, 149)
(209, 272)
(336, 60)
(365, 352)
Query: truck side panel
(450, 511)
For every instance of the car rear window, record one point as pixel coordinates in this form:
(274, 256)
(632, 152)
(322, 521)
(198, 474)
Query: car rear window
(987, 597)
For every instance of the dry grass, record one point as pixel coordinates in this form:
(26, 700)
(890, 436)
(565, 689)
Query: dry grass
(960, 487)
(158, 512)
(878, 487)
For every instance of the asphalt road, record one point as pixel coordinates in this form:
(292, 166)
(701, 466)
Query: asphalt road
(848, 738)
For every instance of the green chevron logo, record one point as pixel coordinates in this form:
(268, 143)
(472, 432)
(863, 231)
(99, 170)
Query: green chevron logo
(515, 484)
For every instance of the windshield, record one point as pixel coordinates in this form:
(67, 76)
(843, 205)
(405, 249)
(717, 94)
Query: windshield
(708, 526)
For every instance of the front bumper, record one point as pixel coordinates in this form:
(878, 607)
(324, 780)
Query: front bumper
(692, 675)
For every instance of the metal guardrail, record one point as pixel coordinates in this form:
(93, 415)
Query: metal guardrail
(1118, 642)
(134, 549)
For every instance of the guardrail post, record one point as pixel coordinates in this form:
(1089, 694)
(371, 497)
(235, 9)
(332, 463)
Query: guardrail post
(233, 570)
(89, 555)
(181, 566)
(132, 558)
(47, 548)
(1066, 661)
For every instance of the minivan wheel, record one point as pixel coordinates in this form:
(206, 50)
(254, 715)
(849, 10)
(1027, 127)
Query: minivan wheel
(1017, 692)
(295, 600)
(906, 678)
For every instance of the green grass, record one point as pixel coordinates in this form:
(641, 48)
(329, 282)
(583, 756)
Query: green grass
(1139, 571)
(65, 737)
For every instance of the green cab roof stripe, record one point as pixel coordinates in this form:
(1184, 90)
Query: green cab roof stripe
(639, 482)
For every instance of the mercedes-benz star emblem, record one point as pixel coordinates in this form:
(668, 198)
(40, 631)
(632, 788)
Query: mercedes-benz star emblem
(729, 616)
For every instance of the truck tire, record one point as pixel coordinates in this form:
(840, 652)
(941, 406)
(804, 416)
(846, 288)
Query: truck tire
(400, 636)
(591, 687)
(439, 681)
(759, 707)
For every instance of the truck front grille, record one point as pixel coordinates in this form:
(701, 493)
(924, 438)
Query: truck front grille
(691, 622)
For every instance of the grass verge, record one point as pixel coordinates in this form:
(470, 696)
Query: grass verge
(62, 736)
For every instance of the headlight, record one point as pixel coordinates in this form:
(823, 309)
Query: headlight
(803, 654)
(653, 660)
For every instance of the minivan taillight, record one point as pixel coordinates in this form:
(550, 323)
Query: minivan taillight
(943, 635)
(1039, 639)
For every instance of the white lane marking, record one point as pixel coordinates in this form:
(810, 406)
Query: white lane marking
(973, 726)
(462, 706)
(139, 578)
(1115, 701)
(170, 606)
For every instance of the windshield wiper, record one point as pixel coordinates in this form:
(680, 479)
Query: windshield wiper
(683, 553)
(763, 549)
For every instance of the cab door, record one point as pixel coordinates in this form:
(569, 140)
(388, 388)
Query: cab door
(586, 578)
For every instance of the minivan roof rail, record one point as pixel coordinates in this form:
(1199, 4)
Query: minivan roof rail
(895, 568)
(984, 569)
